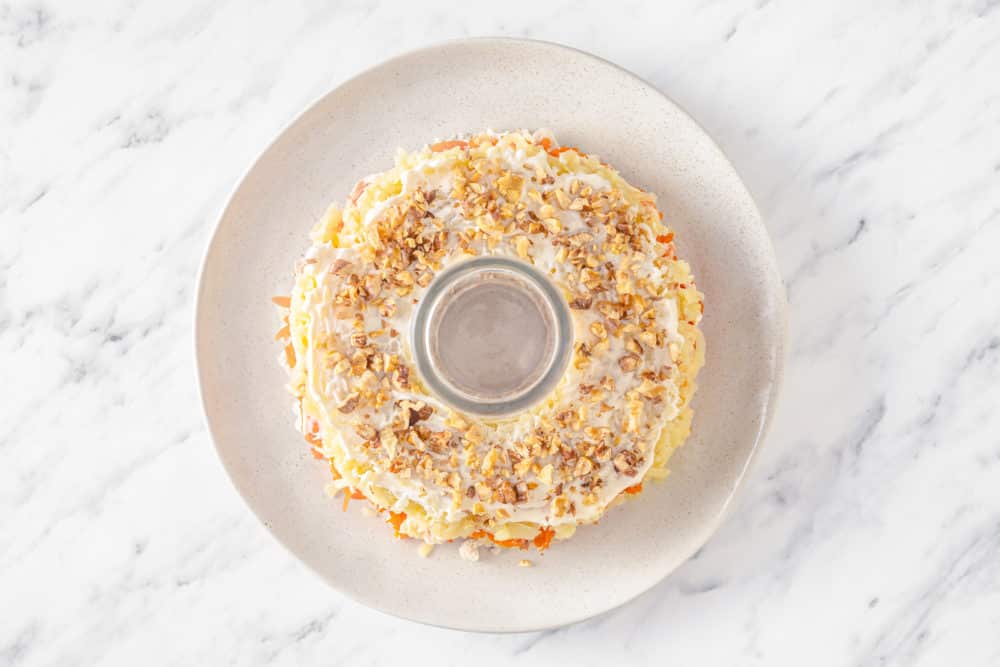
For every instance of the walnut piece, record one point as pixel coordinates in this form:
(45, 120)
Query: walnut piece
(629, 362)
(625, 463)
(350, 403)
(507, 493)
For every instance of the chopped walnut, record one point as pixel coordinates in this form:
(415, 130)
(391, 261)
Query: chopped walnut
(401, 378)
(584, 467)
(629, 362)
(609, 310)
(632, 345)
(387, 308)
(350, 403)
(439, 442)
(507, 493)
(339, 266)
(625, 463)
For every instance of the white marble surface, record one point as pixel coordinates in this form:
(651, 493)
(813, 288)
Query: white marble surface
(869, 531)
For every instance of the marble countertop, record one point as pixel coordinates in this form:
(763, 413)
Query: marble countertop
(868, 532)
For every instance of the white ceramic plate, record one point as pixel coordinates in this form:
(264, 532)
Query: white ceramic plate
(435, 93)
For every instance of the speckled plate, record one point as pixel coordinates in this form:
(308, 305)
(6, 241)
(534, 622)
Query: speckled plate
(353, 131)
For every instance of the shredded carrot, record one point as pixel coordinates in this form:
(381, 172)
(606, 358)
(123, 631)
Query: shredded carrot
(665, 238)
(544, 538)
(350, 494)
(445, 145)
(507, 544)
(333, 470)
(546, 143)
(396, 519)
(510, 544)
(660, 213)
(283, 332)
(313, 440)
(283, 301)
(632, 490)
(562, 149)
(290, 356)
(318, 455)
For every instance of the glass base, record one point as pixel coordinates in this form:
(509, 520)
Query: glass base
(492, 336)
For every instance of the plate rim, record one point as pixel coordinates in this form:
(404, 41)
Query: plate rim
(781, 311)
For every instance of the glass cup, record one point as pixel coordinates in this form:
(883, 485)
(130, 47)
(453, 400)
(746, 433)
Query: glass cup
(492, 336)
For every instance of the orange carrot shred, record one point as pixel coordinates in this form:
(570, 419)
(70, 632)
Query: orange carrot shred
(350, 494)
(544, 538)
(317, 454)
(290, 356)
(665, 238)
(445, 145)
(507, 544)
(632, 490)
(283, 332)
(562, 149)
(510, 544)
(396, 519)
(283, 301)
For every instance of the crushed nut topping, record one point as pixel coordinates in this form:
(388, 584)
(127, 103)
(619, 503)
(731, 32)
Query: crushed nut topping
(350, 403)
